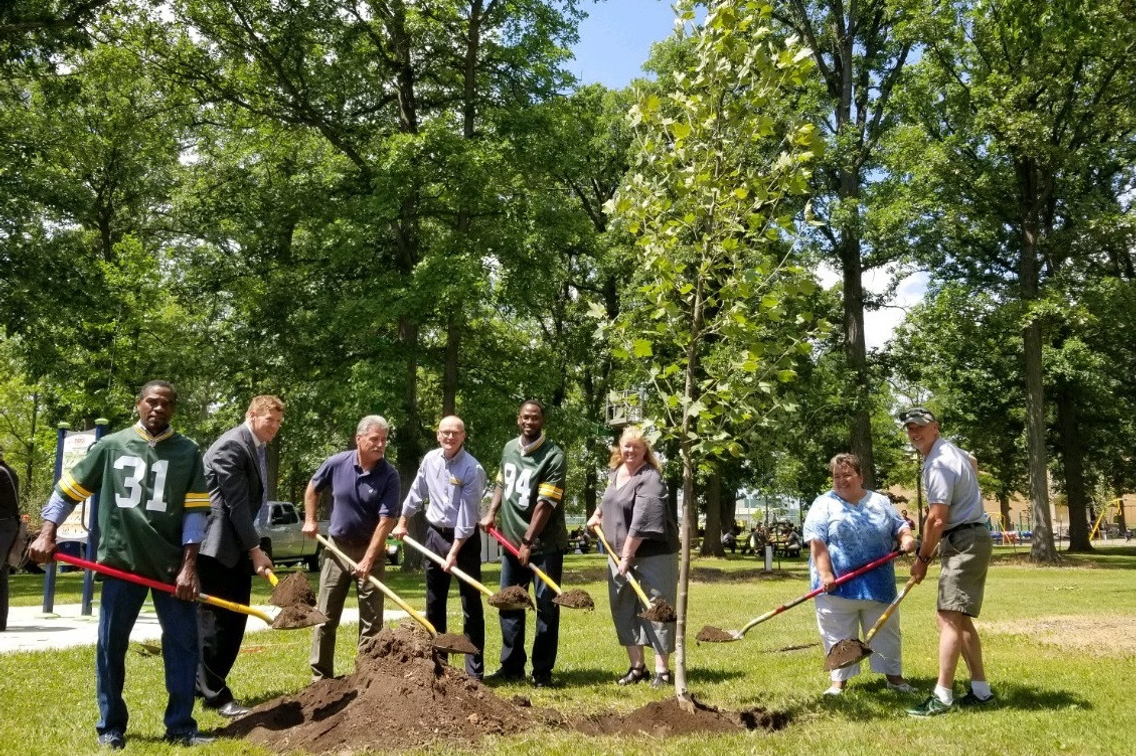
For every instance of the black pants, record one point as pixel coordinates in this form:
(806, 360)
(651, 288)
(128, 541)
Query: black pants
(9, 529)
(438, 589)
(221, 631)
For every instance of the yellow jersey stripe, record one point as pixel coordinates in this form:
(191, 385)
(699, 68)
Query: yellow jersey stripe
(196, 500)
(71, 487)
(550, 491)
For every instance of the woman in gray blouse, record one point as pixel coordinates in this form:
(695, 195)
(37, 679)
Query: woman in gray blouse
(643, 531)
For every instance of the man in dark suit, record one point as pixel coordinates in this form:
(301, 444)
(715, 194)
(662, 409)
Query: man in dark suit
(230, 554)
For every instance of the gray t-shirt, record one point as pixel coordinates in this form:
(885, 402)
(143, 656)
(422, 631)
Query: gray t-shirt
(950, 479)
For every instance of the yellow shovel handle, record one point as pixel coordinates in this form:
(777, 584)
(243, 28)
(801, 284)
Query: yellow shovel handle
(615, 560)
(378, 584)
(889, 611)
(233, 607)
(461, 574)
(272, 578)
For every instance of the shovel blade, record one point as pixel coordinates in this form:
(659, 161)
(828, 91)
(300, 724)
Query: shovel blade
(846, 653)
(710, 634)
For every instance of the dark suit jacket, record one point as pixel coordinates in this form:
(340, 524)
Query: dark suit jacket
(232, 470)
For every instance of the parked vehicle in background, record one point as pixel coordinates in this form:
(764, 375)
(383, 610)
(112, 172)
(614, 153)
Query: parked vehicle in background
(281, 538)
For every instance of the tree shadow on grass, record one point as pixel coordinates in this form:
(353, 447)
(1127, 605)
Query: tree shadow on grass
(872, 700)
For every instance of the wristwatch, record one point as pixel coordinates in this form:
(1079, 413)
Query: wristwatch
(526, 542)
(923, 559)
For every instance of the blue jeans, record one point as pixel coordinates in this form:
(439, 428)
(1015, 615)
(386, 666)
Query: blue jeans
(120, 604)
(547, 638)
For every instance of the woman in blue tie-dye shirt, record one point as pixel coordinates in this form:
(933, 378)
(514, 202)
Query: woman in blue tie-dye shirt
(846, 528)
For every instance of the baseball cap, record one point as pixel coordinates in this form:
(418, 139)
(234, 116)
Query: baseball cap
(917, 415)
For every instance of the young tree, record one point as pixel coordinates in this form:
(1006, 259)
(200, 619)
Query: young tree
(714, 322)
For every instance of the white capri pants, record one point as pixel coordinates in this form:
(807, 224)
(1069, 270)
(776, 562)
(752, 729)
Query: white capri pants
(841, 619)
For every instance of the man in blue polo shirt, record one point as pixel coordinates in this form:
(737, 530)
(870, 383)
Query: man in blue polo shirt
(364, 506)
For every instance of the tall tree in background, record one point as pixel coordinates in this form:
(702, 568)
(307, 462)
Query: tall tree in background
(715, 327)
(860, 50)
(1018, 103)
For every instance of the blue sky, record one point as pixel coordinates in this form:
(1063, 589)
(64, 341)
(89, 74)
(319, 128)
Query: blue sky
(615, 39)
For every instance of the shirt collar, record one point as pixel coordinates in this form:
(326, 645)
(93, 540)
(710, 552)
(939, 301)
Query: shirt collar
(256, 441)
(152, 440)
(533, 447)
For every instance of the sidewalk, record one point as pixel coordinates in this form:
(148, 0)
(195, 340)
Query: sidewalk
(29, 630)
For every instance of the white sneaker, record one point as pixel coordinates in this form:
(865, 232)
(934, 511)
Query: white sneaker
(834, 691)
(902, 687)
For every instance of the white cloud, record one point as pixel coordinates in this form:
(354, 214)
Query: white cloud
(879, 325)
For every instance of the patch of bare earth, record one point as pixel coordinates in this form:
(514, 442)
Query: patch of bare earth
(1098, 635)
(438, 705)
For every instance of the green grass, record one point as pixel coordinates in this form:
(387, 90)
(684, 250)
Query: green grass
(1052, 700)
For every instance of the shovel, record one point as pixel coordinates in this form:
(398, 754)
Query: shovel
(849, 651)
(573, 599)
(455, 644)
(655, 611)
(711, 634)
(495, 599)
(280, 623)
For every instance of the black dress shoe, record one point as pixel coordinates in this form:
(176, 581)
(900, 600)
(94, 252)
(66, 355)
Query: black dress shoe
(504, 675)
(189, 739)
(542, 679)
(634, 675)
(232, 710)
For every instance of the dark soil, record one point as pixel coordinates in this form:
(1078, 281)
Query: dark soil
(513, 597)
(669, 718)
(575, 599)
(457, 644)
(660, 611)
(846, 653)
(438, 705)
(298, 616)
(293, 590)
(710, 634)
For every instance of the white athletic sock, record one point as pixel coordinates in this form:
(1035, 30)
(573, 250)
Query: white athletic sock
(946, 695)
(981, 688)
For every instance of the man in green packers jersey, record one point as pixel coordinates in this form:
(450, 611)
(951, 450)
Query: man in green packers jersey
(529, 496)
(153, 507)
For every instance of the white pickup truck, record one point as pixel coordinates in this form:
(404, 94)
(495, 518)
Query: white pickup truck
(280, 537)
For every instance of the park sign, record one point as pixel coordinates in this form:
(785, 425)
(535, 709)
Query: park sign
(77, 526)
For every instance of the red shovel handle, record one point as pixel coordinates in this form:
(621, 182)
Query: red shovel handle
(501, 539)
(120, 574)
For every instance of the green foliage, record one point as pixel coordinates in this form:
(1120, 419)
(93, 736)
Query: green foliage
(715, 306)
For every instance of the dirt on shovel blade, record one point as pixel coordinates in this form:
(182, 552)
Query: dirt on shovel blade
(513, 597)
(660, 611)
(710, 634)
(455, 644)
(293, 590)
(846, 653)
(298, 616)
(575, 599)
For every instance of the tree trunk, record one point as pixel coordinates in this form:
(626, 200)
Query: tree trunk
(408, 444)
(712, 537)
(1042, 548)
(591, 484)
(1072, 457)
(856, 352)
(1121, 522)
(450, 367)
(1004, 509)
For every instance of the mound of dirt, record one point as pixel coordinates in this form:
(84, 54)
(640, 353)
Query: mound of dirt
(669, 718)
(512, 597)
(298, 616)
(711, 634)
(435, 702)
(294, 590)
(660, 611)
(575, 599)
(438, 705)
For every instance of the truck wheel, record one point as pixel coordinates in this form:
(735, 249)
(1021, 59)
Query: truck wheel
(313, 562)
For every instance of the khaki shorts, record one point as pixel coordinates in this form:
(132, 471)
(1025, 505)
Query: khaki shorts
(965, 557)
